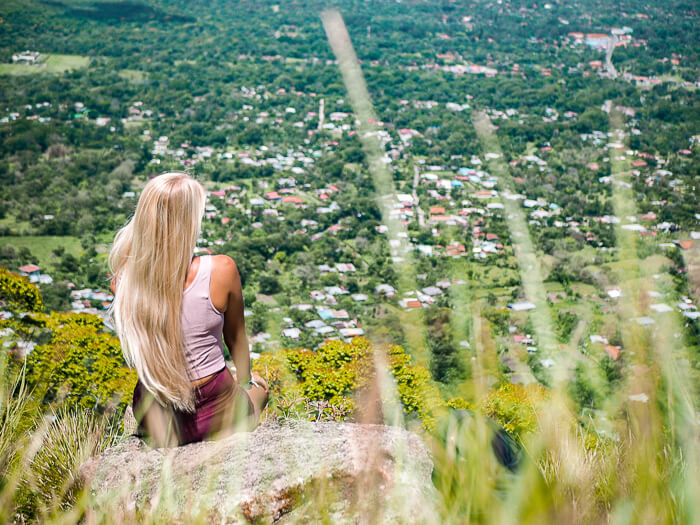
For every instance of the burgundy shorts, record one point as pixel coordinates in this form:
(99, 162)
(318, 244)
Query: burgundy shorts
(220, 404)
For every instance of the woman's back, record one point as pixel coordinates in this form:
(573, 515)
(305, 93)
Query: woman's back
(172, 314)
(202, 324)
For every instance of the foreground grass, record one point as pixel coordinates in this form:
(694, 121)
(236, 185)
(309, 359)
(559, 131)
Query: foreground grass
(571, 471)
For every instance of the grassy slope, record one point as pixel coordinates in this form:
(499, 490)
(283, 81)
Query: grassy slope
(42, 245)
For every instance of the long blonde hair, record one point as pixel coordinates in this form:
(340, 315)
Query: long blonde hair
(149, 260)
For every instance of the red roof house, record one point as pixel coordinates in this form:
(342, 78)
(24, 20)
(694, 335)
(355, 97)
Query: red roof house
(29, 269)
(292, 199)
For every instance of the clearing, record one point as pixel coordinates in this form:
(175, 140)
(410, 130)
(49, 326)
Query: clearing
(41, 246)
(50, 64)
(133, 75)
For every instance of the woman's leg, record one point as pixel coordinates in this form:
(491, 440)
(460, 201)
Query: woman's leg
(155, 422)
(234, 409)
(259, 396)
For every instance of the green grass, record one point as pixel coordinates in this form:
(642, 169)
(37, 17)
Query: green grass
(133, 75)
(134, 123)
(53, 63)
(41, 246)
(14, 225)
(677, 80)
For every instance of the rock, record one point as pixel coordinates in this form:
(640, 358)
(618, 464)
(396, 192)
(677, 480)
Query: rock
(294, 472)
(129, 423)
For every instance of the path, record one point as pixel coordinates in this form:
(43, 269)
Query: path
(419, 210)
(608, 56)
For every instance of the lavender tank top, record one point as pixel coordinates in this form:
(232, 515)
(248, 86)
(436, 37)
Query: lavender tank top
(202, 325)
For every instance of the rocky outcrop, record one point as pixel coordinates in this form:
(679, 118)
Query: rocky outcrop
(295, 472)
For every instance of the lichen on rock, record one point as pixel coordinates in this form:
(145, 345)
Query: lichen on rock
(292, 472)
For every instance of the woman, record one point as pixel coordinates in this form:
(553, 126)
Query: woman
(171, 310)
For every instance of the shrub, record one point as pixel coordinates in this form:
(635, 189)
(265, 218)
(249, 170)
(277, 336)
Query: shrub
(515, 407)
(334, 375)
(80, 363)
(17, 294)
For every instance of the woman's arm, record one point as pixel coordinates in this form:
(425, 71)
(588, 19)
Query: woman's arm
(226, 277)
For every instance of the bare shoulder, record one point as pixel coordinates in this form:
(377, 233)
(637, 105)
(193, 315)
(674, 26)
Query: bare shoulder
(223, 267)
(225, 282)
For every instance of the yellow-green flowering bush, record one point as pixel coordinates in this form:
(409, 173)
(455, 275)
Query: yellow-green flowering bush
(337, 371)
(17, 294)
(81, 363)
(416, 392)
(515, 406)
(459, 403)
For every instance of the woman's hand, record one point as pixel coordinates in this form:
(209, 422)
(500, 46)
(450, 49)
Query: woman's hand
(260, 381)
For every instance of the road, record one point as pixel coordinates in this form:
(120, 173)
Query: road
(419, 211)
(608, 56)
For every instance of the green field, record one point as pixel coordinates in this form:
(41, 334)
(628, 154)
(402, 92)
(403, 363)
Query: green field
(51, 64)
(133, 75)
(41, 246)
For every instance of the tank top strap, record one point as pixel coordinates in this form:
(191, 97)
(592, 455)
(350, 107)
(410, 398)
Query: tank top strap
(204, 274)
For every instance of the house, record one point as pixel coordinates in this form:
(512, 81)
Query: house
(325, 313)
(684, 245)
(340, 314)
(34, 273)
(302, 307)
(661, 308)
(597, 40)
(385, 289)
(425, 249)
(335, 290)
(273, 196)
(292, 199)
(455, 250)
(323, 330)
(27, 57)
(410, 303)
(613, 352)
(521, 306)
(292, 333)
(614, 292)
(349, 333)
(317, 295)
(405, 199)
(29, 270)
(633, 227)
